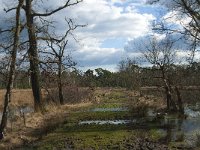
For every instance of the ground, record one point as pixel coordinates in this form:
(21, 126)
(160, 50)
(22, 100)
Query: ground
(59, 127)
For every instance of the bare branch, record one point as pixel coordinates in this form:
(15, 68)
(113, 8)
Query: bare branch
(10, 9)
(67, 4)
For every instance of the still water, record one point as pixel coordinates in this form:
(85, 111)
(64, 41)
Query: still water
(171, 127)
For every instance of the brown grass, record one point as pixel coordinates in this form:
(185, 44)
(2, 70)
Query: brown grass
(20, 97)
(37, 125)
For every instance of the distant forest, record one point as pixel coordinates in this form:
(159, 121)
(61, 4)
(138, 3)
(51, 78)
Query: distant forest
(129, 75)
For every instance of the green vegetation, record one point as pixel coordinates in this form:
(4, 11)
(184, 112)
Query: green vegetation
(108, 115)
(92, 136)
(95, 136)
(85, 140)
(137, 128)
(35, 54)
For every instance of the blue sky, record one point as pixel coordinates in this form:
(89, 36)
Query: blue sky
(111, 26)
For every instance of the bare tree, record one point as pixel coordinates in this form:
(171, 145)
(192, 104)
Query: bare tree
(58, 54)
(190, 8)
(182, 10)
(31, 14)
(161, 53)
(13, 56)
(31, 17)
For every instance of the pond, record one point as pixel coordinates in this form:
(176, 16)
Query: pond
(171, 127)
(186, 130)
(182, 130)
(102, 122)
(25, 110)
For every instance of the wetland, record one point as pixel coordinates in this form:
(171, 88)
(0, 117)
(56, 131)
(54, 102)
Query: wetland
(123, 120)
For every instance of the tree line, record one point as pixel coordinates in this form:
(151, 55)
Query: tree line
(129, 75)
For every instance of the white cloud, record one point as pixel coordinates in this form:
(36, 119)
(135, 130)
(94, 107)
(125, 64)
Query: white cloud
(109, 21)
(97, 56)
(105, 19)
(110, 67)
(173, 18)
(185, 55)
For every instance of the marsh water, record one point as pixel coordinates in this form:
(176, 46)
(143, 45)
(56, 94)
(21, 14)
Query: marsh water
(185, 130)
(101, 122)
(171, 127)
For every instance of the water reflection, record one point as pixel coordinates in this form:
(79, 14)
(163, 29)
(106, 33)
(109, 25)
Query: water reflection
(102, 122)
(171, 127)
(182, 129)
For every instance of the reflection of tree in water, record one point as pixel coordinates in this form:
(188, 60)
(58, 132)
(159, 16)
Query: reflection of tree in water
(181, 136)
(174, 131)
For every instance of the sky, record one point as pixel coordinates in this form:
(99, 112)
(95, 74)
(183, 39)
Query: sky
(111, 24)
(111, 27)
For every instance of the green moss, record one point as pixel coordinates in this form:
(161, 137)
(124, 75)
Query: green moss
(86, 140)
(71, 135)
(110, 105)
(91, 128)
(94, 137)
(77, 116)
(156, 134)
(173, 145)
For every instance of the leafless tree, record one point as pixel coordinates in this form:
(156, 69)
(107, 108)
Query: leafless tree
(183, 10)
(11, 67)
(31, 14)
(57, 54)
(32, 43)
(30, 24)
(162, 54)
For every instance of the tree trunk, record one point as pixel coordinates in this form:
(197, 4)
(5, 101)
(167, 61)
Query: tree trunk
(180, 102)
(60, 86)
(33, 58)
(171, 106)
(11, 75)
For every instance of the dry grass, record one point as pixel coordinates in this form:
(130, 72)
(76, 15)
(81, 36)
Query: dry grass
(20, 97)
(37, 125)
(157, 103)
